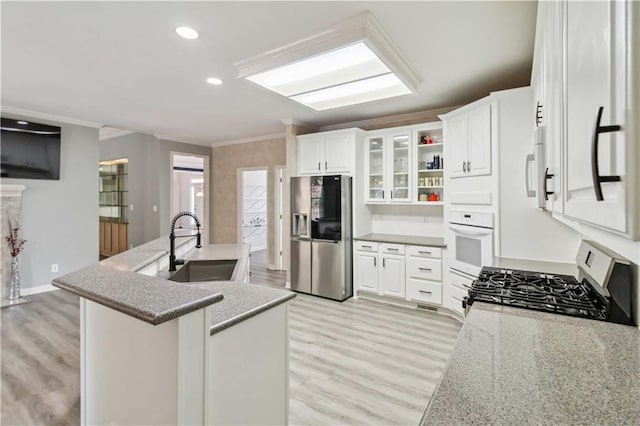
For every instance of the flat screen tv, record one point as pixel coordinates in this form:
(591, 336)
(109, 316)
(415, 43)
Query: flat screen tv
(29, 150)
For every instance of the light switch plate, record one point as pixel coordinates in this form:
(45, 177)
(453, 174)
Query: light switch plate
(155, 208)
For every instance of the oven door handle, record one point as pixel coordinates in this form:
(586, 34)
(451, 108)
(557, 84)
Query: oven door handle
(470, 230)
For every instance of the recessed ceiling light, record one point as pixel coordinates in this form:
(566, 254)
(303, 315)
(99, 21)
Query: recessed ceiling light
(214, 81)
(187, 32)
(22, 122)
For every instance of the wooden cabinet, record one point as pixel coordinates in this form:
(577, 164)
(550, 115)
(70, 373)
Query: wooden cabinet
(601, 114)
(468, 137)
(113, 238)
(388, 159)
(328, 152)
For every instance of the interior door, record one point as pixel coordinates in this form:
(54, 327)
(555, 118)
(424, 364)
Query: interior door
(455, 140)
(594, 79)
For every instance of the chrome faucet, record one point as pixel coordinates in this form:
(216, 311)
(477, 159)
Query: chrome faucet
(172, 239)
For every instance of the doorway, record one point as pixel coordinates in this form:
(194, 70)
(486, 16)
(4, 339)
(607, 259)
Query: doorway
(189, 189)
(280, 177)
(252, 208)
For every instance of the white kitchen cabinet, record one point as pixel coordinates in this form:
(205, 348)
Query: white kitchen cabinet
(330, 152)
(367, 271)
(388, 156)
(468, 137)
(392, 275)
(456, 291)
(424, 274)
(601, 114)
(413, 273)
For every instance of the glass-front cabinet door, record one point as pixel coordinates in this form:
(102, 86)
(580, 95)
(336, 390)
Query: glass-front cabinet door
(400, 166)
(375, 169)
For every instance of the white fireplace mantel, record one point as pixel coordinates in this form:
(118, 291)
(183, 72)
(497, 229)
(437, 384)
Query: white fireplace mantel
(11, 190)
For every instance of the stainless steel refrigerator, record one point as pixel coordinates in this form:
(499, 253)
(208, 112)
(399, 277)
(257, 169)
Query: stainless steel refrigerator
(321, 245)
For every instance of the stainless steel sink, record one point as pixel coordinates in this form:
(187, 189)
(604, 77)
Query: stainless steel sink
(205, 270)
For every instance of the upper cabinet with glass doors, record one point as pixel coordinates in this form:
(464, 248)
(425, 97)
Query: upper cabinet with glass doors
(388, 166)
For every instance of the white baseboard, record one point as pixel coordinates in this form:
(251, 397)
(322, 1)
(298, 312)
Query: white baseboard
(35, 290)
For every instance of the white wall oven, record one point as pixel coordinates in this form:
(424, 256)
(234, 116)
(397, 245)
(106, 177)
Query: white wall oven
(470, 241)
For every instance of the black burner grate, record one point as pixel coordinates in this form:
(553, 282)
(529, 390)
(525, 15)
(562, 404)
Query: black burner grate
(561, 294)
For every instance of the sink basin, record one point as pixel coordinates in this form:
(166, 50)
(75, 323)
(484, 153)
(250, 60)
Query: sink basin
(205, 270)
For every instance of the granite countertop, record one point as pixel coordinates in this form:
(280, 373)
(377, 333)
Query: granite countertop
(241, 300)
(115, 283)
(519, 366)
(403, 239)
(149, 299)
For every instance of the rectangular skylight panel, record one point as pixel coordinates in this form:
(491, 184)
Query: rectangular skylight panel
(344, 65)
(357, 92)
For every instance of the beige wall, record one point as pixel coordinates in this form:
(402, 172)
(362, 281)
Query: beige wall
(227, 159)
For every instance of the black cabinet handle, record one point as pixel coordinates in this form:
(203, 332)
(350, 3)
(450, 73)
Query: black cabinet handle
(595, 167)
(384, 264)
(547, 176)
(325, 165)
(538, 114)
(374, 262)
(464, 166)
(424, 291)
(318, 165)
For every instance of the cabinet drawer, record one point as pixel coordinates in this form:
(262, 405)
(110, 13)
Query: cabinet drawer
(424, 291)
(422, 251)
(392, 248)
(458, 293)
(425, 269)
(366, 246)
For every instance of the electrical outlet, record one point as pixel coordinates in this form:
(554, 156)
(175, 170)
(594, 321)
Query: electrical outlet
(54, 267)
(131, 207)
(155, 208)
(378, 217)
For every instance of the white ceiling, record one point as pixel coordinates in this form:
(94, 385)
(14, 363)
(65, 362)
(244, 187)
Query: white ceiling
(122, 64)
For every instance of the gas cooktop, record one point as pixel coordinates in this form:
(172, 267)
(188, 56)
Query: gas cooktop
(561, 294)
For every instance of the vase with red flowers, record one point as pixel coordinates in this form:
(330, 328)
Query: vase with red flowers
(16, 245)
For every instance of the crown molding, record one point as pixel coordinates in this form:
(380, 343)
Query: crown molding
(249, 140)
(181, 140)
(48, 117)
(392, 120)
(360, 28)
(107, 132)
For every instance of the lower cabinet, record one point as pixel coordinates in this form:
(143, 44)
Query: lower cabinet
(392, 275)
(413, 273)
(456, 290)
(367, 267)
(113, 238)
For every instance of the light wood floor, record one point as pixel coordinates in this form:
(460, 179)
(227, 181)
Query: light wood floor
(356, 362)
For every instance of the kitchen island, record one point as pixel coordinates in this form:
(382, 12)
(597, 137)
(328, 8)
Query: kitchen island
(155, 351)
(519, 366)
